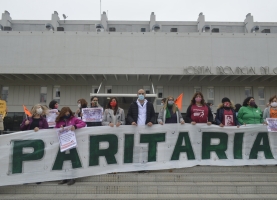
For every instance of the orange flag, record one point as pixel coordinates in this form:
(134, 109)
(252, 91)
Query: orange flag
(27, 112)
(179, 101)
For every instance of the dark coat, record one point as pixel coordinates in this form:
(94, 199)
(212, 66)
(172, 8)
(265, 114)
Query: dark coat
(188, 115)
(132, 115)
(220, 113)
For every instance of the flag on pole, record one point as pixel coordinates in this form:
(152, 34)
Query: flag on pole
(179, 101)
(27, 112)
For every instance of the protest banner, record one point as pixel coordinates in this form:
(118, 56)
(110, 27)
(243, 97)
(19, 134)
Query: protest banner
(28, 157)
(67, 138)
(51, 117)
(92, 114)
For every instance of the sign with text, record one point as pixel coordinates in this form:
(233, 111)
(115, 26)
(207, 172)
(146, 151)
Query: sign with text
(51, 117)
(66, 138)
(92, 114)
(28, 157)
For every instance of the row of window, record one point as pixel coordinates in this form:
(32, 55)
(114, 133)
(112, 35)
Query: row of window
(159, 90)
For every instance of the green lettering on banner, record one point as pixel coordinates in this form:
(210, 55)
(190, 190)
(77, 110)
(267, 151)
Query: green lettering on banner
(109, 153)
(128, 148)
(18, 156)
(219, 149)
(238, 142)
(265, 147)
(63, 156)
(183, 136)
(152, 140)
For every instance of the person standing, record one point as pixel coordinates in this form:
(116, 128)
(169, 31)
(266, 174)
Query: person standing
(249, 113)
(199, 111)
(94, 104)
(66, 118)
(170, 113)
(141, 111)
(226, 115)
(271, 110)
(113, 115)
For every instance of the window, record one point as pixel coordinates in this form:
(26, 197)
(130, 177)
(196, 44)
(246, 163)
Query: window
(160, 92)
(261, 96)
(215, 30)
(146, 89)
(174, 30)
(267, 30)
(43, 94)
(248, 92)
(56, 93)
(108, 89)
(94, 89)
(197, 89)
(143, 30)
(112, 29)
(210, 95)
(5, 93)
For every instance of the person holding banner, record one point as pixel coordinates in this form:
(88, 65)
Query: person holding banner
(199, 111)
(66, 118)
(170, 113)
(141, 112)
(226, 114)
(113, 115)
(54, 105)
(249, 113)
(36, 121)
(94, 104)
(271, 110)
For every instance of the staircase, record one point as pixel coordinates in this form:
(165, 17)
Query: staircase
(201, 182)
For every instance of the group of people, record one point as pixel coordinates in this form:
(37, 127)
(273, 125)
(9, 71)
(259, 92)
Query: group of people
(141, 112)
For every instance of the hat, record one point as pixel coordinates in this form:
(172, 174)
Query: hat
(225, 99)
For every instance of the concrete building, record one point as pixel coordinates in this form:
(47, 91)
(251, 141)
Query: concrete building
(61, 59)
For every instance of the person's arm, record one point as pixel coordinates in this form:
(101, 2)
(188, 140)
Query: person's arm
(105, 120)
(210, 115)
(79, 123)
(261, 117)
(130, 114)
(160, 116)
(44, 124)
(180, 116)
(122, 117)
(23, 127)
(188, 115)
(217, 120)
(265, 114)
(240, 115)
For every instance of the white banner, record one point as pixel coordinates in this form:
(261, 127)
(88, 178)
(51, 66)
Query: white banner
(29, 156)
(51, 117)
(92, 114)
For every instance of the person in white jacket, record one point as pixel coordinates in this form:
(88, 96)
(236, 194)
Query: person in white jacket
(113, 115)
(170, 113)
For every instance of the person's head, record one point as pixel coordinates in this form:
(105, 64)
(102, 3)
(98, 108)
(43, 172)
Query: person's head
(113, 104)
(65, 113)
(237, 107)
(169, 102)
(141, 94)
(82, 103)
(197, 98)
(163, 101)
(226, 103)
(249, 101)
(210, 104)
(53, 104)
(39, 109)
(93, 101)
(273, 101)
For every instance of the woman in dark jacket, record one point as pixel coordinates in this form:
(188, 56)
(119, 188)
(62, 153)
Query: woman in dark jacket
(37, 121)
(226, 114)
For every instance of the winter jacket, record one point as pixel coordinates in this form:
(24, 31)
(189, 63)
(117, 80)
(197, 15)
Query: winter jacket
(266, 113)
(162, 114)
(188, 115)
(42, 124)
(220, 114)
(250, 115)
(132, 115)
(73, 121)
(119, 116)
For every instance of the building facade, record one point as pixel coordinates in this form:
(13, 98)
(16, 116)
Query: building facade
(66, 60)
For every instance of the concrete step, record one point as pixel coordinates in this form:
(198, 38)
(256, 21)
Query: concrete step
(181, 177)
(138, 196)
(147, 188)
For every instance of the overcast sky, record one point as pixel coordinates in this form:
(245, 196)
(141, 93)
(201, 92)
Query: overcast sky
(165, 10)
